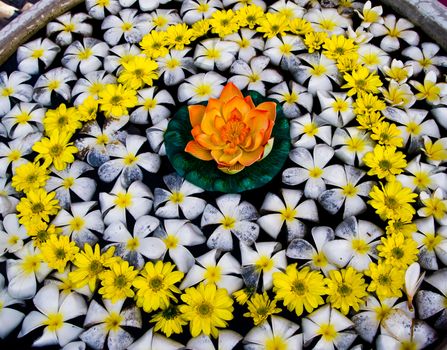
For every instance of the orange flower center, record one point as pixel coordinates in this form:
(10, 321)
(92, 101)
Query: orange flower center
(234, 133)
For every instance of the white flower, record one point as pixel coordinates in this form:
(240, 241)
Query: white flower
(291, 96)
(281, 48)
(133, 247)
(288, 9)
(96, 8)
(201, 87)
(289, 211)
(13, 86)
(91, 84)
(394, 29)
(311, 169)
(232, 216)
(332, 325)
(254, 75)
(30, 54)
(241, 3)
(175, 235)
(371, 57)
(155, 136)
(8, 197)
(66, 25)
(152, 104)
(173, 66)
(397, 71)
(370, 15)
(154, 341)
(144, 5)
(212, 269)
(430, 302)
(56, 81)
(336, 108)
(9, 317)
(161, 19)
(227, 340)
(351, 145)
(137, 200)
(248, 43)
(360, 36)
(106, 322)
(356, 246)
(305, 130)
(80, 222)
(279, 333)
(430, 90)
(65, 284)
(119, 54)
(53, 314)
(267, 257)
(215, 52)
(127, 161)
(69, 180)
(398, 95)
(193, 11)
(425, 59)
(12, 235)
(128, 24)
(178, 196)
(85, 55)
(348, 190)
(328, 20)
(434, 204)
(300, 248)
(24, 119)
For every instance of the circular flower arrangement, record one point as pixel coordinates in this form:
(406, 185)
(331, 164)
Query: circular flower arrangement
(209, 174)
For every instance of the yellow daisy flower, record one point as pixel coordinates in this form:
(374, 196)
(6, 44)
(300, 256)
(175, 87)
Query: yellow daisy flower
(385, 162)
(387, 134)
(224, 22)
(57, 251)
(41, 232)
(137, 72)
(314, 40)
(154, 44)
(337, 46)
(273, 24)
(260, 307)
(386, 280)
(249, 16)
(117, 282)
(63, 119)
(300, 26)
(87, 109)
(179, 35)
(361, 80)
(29, 176)
(398, 251)
(169, 320)
(38, 205)
(115, 100)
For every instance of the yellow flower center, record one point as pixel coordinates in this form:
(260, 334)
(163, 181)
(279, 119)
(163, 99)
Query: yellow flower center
(394, 32)
(425, 62)
(133, 244)
(102, 139)
(203, 7)
(413, 128)
(254, 77)
(234, 133)
(436, 207)
(171, 241)
(315, 173)
(31, 264)
(23, 118)
(212, 54)
(213, 274)
(290, 98)
(286, 49)
(288, 214)
(68, 182)
(397, 253)
(14, 155)
(95, 88)
(344, 290)
(69, 27)
(103, 3)
(203, 90)
(150, 104)
(95, 267)
(37, 53)
(408, 345)
(264, 263)
(310, 129)
(177, 197)
(382, 312)
(172, 63)
(126, 26)
(431, 241)
(371, 59)
(340, 105)
(328, 24)
(77, 223)
(319, 260)
(13, 239)
(228, 222)
(244, 43)
(318, 70)
(130, 159)
(54, 321)
(204, 309)
(7, 91)
(356, 144)
(120, 281)
(421, 179)
(328, 332)
(276, 343)
(360, 246)
(123, 200)
(156, 283)
(299, 288)
(36, 208)
(85, 54)
(53, 85)
(113, 321)
(349, 190)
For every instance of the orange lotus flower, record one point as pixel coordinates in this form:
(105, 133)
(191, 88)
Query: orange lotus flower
(231, 130)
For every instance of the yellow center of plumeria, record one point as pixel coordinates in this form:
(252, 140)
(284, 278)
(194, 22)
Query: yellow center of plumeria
(310, 129)
(102, 139)
(203, 90)
(77, 223)
(276, 343)
(319, 260)
(68, 182)
(349, 190)
(37, 53)
(171, 241)
(327, 332)
(408, 345)
(113, 321)
(123, 200)
(172, 63)
(85, 54)
(103, 3)
(69, 27)
(318, 70)
(23, 118)
(133, 244)
(264, 263)
(150, 104)
(228, 222)
(54, 322)
(413, 128)
(213, 274)
(421, 179)
(203, 7)
(315, 172)
(425, 62)
(177, 197)
(286, 49)
(126, 26)
(7, 91)
(431, 241)
(130, 159)
(381, 312)
(212, 54)
(360, 246)
(13, 239)
(328, 24)
(290, 97)
(54, 85)
(31, 264)
(355, 144)
(288, 214)
(243, 43)
(340, 105)
(14, 155)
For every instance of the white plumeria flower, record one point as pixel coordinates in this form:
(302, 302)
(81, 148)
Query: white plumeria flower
(232, 216)
(69, 180)
(127, 161)
(161, 19)
(291, 96)
(288, 9)
(360, 36)
(9, 317)
(201, 87)
(212, 269)
(435, 205)
(373, 313)
(65, 284)
(279, 333)
(85, 55)
(267, 257)
(12, 235)
(317, 74)
(351, 145)
(348, 190)
(435, 152)
(106, 322)
(178, 196)
(144, 5)
(80, 222)
(96, 8)
(333, 327)
(336, 108)
(370, 15)
(356, 246)
(8, 197)
(176, 235)
(227, 340)
(328, 20)
(55, 81)
(154, 341)
(248, 43)
(137, 200)
(133, 247)
(91, 85)
(413, 280)
(279, 49)
(193, 11)
(53, 314)
(397, 71)
(23, 119)
(13, 86)
(30, 54)
(430, 302)
(127, 24)
(401, 330)
(237, 4)
(173, 66)
(153, 104)
(394, 29)
(372, 57)
(119, 54)
(252, 76)
(300, 248)
(215, 52)
(66, 25)
(425, 59)
(431, 91)
(289, 211)
(398, 95)
(311, 169)
(306, 129)
(423, 176)
(155, 136)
